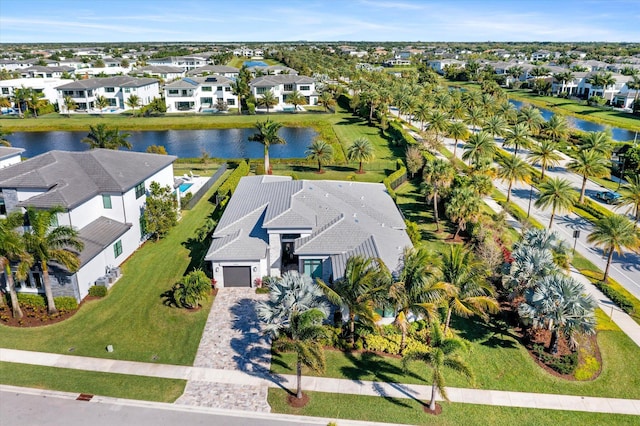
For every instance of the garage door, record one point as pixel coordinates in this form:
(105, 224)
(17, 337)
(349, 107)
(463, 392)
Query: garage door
(237, 276)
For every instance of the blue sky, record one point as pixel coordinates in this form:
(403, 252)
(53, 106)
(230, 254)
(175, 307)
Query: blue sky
(318, 20)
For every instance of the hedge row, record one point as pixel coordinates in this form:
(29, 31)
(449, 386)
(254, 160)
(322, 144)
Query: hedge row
(65, 303)
(398, 132)
(97, 291)
(616, 297)
(232, 181)
(394, 180)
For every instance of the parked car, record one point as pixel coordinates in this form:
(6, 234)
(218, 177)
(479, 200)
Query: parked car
(609, 197)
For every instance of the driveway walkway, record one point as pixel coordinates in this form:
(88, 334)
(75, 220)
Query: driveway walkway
(231, 341)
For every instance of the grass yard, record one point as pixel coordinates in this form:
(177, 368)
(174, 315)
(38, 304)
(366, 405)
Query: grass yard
(133, 317)
(237, 61)
(94, 383)
(409, 411)
(499, 361)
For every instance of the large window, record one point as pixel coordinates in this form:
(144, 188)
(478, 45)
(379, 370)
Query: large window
(143, 225)
(312, 267)
(231, 102)
(261, 90)
(305, 87)
(5, 90)
(106, 201)
(109, 89)
(206, 88)
(288, 87)
(140, 190)
(117, 248)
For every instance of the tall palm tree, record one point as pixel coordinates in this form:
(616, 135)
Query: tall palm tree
(544, 154)
(558, 303)
(457, 110)
(564, 77)
(327, 100)
(631, 195)
(35, 101)
(438, 122)
(364, 283)
(634, 84)
(480, 145)
(518, 136)
(602, 81)
(100, 136)
(471, 293)
(133, 102)
(495, 125)
(416, 291)
(296, 99)
(3, 137)
(515, 72)
(464, 207)
(437, 176)
(443, 352)
(421, 113)
(557, 128)
(589, 163)
(69, 104)
(508, 111)
(268, 100)
(532, 117)
(361, 150)
(458, 131)
(475, 117)
(46, 243)
(513, 169)
(20, 96)
(321, 152)
(600, 142)
(267, 135)
(102, 103)
(13, 248)
(614, 233)
(557, 193)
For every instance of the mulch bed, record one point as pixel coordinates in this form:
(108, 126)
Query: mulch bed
(295, 402)
(435, 412)
(33, 317)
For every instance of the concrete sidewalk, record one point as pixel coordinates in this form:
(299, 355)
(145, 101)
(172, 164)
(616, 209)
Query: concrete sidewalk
(322, 384)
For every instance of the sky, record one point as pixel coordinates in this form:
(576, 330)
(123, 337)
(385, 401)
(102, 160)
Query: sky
(24, 21)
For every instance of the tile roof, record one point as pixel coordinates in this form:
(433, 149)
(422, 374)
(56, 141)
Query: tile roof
(7, 151)
(119, 81)
(213, 69)
(98, 235)
(276, 80)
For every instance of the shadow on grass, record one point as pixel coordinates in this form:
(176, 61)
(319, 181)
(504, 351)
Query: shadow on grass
(495, 334)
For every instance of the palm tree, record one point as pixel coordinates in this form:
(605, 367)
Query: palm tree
(471, 293)
(464, 207)
(588, 163)
(46, 243)
(438, 122)
(35, 101)
(3, 137)
(327, 100)
(532, 117)
(133, 102)
(13, 248)
(557, 193)
(559, 303)
(268, 100)
(20, 96)
(437, 176)
(69, 104)
(416, 291)
(515, 72)
(564, 77)
(480, 145)
(475, 117)
(634, 84)
(365, 280)
(614, 233)
(530, 264)
(600, 142)
(495, 125)
(102, 103)
(443, 352)
(544, 154)
(361, 150)
(422, 113)
(602, 81)
(513, 169)
(296, 99)
(458, 131)
(556, 128)
(631, 195)
(518, 136)
(321, 152)
(508, 111)
(101, 136)
(267, 135)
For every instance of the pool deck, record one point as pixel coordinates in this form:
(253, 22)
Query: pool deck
(197, 182)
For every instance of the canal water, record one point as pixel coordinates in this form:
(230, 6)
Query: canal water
(218, 143)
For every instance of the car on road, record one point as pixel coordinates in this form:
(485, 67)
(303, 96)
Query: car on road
(609, 197)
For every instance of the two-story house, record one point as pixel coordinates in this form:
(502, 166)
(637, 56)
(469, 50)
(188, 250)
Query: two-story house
(165, 72)
(46, 86)
(222, 70)
(102, 194)
(185, 62)
(282, 86)
(38, 71)
(199, 94)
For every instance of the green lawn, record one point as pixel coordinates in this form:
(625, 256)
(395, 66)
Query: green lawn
(499, 361)
(133, 317)
(94, 383)
(237, 61)
(409, 411)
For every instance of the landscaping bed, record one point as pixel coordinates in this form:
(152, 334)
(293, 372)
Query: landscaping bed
(34, 316)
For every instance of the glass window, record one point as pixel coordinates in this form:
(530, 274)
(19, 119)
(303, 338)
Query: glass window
(305, 87)
(140, 190)
(206, 88)
(109, 89)
(106, 201)
(127, 90)
(288, 87)
(173, 91)
(117, 248)
(227, 89)
(143, 225)
(231, 101)
(312, 267)
(5, 90)
(261, 90)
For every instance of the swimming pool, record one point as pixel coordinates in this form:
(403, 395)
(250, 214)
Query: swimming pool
(184, 186)
(255, 64)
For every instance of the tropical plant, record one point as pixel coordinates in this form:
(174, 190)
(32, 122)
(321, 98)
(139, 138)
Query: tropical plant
(69, 104)
(475, 116)
(443, 352)
(458, 131)
(558, 194)
(464, 207)
(470, 293)
(161, 210)
(13, 248)
(513, 169)
(327, 100)
(479, 146)
(133, 102)
(557, 128)
(530, 264)
(3, 137)
(35, 100)
(364, 284)
(20, 95)
(156, 149)
(48, 243)
(614, 233)
(268, 100)
(321, 152)
(495, 125)
(267, 135)
(559, 304)
(564, 77)
(602, 81)
(544, 154)
(101, 103)
(588, 163)
(599, 142)
(631, 195)
(437, 176)
(422, 113)
(296, 99)
(532, 117)
(192, 289)
(100, 136)
(438, 122)
(518, 136)
(361, 150)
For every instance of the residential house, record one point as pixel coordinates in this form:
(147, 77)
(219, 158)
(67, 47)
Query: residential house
(8, 157)
(46, 86)
(282, 86)
(439, 65)
(274, 224)
(185, 62)
(199, 94)
(222, 70)
(164, 72)
(38, 71)
(258, 70)
(396, 63)
(116, 90)
(541, 55)
(20, 64)
(102, 194)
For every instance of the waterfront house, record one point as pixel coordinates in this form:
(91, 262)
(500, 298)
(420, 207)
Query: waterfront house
(165, 72)
(199, 94)
(222, 70)
(282, 86)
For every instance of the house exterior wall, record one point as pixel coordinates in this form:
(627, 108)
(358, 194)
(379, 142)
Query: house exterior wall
(9, 161)
(260, 266)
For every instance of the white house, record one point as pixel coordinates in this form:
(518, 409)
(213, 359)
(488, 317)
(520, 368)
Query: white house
(185, 62)
(46, 86)
(38, 71)
(116, 90)
(199, 94)
(9, 156)
(223, 70)
(274, 224)
(102, 194)
(439, 65)
(165, 72)
(271, 70)
(282, 86)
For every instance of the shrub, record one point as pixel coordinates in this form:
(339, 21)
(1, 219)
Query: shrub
(394, 180)
(588, 369)
(260, 169)
(564, 364)
(33, 300)
(97, 291)
(185, 200)
(191, 289)
(232, 181)
(391, 343)
(616, 297)
(262, 290)
(66, 303)
(414, 232)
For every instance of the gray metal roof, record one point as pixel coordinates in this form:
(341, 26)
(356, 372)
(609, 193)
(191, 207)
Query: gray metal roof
(276, 80)
(159, 69)
(119, 81)
(192, 82)
(213, 69)
(368, 248)
(71, 178)
(7, 152)
(98, 235)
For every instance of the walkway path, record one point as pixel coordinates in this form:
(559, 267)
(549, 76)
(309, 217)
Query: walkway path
(231, 341)
(321, 384)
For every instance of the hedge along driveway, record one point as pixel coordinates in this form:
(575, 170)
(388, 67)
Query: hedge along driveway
(132, 317)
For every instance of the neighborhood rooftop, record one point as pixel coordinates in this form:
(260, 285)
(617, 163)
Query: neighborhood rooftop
(119, 81)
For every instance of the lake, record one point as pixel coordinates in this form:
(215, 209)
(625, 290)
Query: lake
(218, 143)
